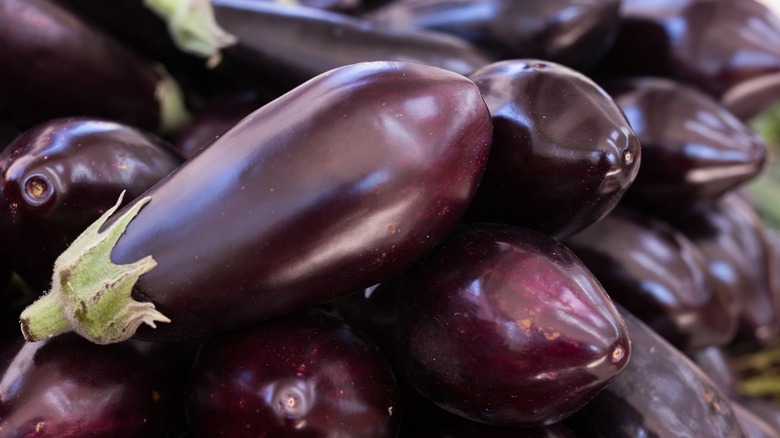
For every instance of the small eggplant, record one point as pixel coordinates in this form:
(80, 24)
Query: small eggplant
(573, 33)
(658, 274)
(693, 149)
(333, 187)
(57, 65)
(661, 393)
(279, 46)
(60, 176)
(563, 153)
(499, 324)
(306, 374)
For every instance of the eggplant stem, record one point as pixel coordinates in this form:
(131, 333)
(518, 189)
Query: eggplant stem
(173, 111)
(193, 28)
(91, 293)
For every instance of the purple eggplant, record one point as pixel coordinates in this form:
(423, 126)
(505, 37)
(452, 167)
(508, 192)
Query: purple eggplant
(306, 374)
(331, 188)
(715, 362)
(57, 65)
(693, 149)
(60, 176)
(563, 153)
(281, 46)
(661, 393)
(499, 324)
(574, 33)
(753, 97)
(753, 425)
(658, 274)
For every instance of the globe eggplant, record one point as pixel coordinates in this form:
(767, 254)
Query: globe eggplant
(60, 176)
(57, 65)
(333, 187)
(306, 374)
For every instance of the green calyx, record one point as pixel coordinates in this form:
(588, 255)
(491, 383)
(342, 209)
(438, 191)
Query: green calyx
(90, 294)
(193, 28)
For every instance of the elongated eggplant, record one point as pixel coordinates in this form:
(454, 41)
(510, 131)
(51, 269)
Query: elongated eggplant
(57, 65)
(333, 187)
(693, 149)
(658, 274)
(574, 33)
(60, 176)
(661, 393)
(563, 153)
(280, 46)
(306, 374)
(501, 325)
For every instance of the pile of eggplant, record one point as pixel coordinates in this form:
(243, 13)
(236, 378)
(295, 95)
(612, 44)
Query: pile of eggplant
(388, 218)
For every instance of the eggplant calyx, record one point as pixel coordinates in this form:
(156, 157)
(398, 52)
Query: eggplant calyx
(193, 28)
(90, 294)
(173, 112)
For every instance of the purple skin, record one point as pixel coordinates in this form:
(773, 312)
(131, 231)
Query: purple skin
(559, 142)
(661, 393)
(281, 46)
(67, 386)
(730, 234)
(693, 149)
(712, 44)
(715, 363)
(574, 33)
(57, 65)
(661, 276)
(753, 425)
(387, 160)
(306, 374)
(501, 325)
(60, 176)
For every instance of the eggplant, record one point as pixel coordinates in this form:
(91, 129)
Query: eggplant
(71, 387)
(573, 33)
(60, 176)
(306, 374)
(331, 188)
(753, 425)
(500, 325)
(661, 393)
(57, 65)
(279, 46)
(715, 363)
(658, 274)
(693, 149)
(563, 153)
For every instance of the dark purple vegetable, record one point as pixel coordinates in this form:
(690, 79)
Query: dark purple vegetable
(302, 375)
(659, 275)
(693, 149)
(60, 176)
(281, 46)
(753, 425)
(731, 236)
(714, 362)
(752, 97)
(501, 325)
(563, 154)
(768, 410)
(57, 65)
(214, 119)
(333, 187)
(661, 393)
(574, 33)
(711, 44)
(69, 387)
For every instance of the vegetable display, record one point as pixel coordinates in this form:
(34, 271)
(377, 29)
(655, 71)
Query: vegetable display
(389, 218)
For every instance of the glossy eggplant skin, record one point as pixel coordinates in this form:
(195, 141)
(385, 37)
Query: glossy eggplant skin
(658, 274)
(59, 176)
(67, 386)
(563, 153)
(710, 44)
(306, 374)
(501, 325)
(281, 46)
(753, 425)
(57, 65)
(574, 33)
(693, 149)
(661, 393)
(331, 188)
(731, 236)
